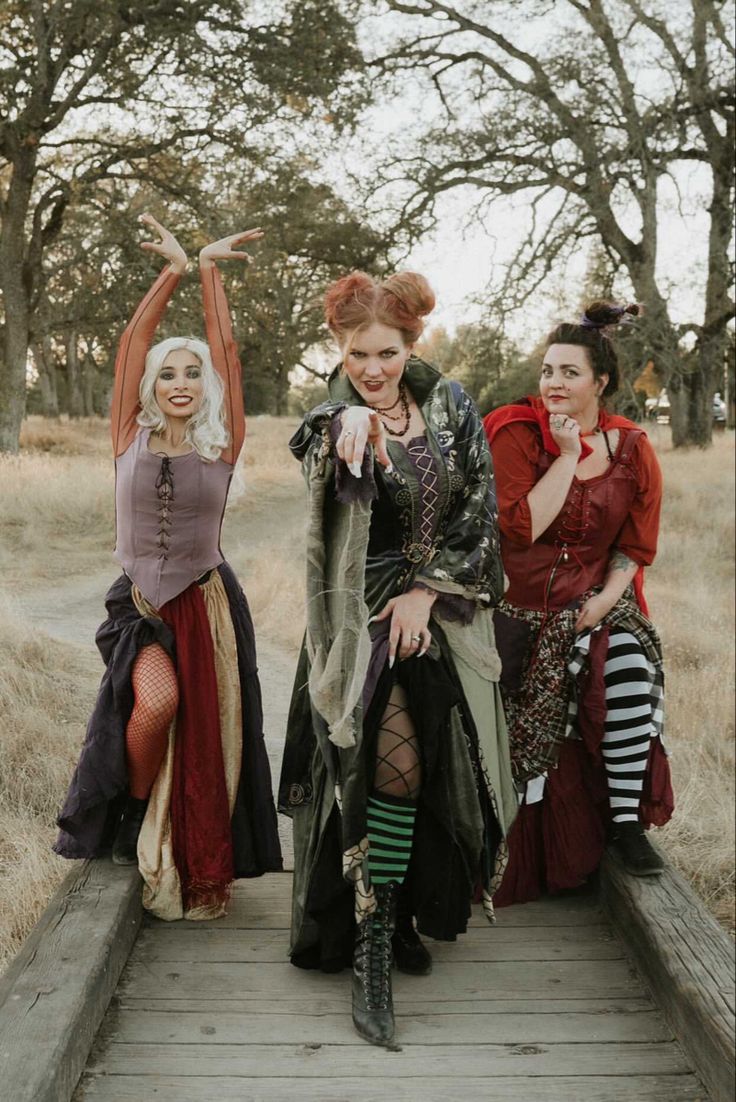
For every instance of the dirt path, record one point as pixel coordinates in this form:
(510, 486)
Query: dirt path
(72, 615)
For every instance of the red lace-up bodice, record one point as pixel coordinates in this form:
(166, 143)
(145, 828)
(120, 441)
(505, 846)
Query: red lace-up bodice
(614, 509)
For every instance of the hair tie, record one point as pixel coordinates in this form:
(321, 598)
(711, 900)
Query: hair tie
(618, 313)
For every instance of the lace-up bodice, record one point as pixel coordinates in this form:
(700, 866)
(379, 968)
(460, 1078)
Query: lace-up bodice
(169, 514)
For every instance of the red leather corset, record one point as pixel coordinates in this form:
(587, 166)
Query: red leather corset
(572, 554)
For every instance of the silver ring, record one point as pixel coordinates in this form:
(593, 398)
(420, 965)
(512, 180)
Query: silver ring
(416, 638)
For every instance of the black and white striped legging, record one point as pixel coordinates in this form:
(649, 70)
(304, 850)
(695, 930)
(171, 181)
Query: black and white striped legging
(630, 701)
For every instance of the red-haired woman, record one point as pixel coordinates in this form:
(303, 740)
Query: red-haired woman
(579, 493)
(396, 768)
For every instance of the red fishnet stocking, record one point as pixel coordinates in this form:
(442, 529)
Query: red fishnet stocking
(398, 765)
(156, 700)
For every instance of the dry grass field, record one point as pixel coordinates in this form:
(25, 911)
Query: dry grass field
(56, 525)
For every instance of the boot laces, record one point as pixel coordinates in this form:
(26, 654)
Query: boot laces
(376, 964)
(376, 957)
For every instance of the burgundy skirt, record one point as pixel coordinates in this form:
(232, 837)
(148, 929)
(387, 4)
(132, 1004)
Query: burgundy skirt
(557, 842)
(99, 785)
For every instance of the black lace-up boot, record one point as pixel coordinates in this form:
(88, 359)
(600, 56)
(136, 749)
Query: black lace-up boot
(373, 1010)
(630, 845)
(125, 846)
(410, 953)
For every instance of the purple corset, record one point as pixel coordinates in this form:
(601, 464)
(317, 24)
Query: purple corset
(168, 518)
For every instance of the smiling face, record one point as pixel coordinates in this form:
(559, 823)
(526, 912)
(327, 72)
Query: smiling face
(374, 359)
(179, 388)
(568, 385)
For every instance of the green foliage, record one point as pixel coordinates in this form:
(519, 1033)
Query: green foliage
(204, 112)
(484, 362)
(305, 396)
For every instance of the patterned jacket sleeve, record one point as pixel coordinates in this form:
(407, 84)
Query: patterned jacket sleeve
(312, 432)
(468, 562)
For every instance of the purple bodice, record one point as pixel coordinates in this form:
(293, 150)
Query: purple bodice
(168, 518)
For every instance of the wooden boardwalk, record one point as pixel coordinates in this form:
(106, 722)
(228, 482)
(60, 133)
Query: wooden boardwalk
(543, 1006)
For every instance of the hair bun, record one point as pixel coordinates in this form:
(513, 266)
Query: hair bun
(600, 314)
(341, 291)
(413, 291)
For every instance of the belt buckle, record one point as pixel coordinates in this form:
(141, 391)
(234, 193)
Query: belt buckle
(416, 552)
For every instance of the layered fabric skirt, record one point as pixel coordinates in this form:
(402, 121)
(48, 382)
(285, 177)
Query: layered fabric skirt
(555, 700)
(210, 816)
(464, 808)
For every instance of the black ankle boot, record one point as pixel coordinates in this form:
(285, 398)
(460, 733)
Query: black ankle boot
(410, 953)
(125, 846)
(630, 845)
(373, 1010)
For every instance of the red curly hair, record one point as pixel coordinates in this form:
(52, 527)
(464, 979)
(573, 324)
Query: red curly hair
(357, 300)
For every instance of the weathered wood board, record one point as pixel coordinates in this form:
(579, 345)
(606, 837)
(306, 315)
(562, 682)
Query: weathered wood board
(688, 962)
(57, 989)
(379, 1088)
(543, 1006)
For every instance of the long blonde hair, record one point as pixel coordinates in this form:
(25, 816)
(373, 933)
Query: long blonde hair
(205, 430)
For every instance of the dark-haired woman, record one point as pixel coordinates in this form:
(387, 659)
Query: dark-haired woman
(396, 768)
(579, 492)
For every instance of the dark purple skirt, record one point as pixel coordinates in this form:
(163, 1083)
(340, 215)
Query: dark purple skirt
(100, 782)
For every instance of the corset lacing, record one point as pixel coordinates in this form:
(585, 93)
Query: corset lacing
(424, 464)
(165, 491)
(574, 522)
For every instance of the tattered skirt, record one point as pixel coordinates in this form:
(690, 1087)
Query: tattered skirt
(554, 695)
(210, 815)
(458, 845)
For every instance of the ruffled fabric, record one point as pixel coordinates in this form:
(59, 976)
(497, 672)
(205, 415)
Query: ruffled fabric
(247, 818)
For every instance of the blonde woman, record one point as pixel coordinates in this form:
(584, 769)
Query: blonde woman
(173, 773)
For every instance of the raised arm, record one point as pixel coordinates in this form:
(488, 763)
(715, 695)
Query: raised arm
(220, 334)
(136, 339)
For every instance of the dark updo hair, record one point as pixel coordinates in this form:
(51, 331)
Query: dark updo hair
(594, 332)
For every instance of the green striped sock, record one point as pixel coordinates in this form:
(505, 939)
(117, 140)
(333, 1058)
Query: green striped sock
(390, 832)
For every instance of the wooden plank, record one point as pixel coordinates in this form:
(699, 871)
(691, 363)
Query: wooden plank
(265, 902)
(565, 1088)
(562, 979)
(315, 1001)
(271, 946)
(257, 913)
(502, 935)
(309, 1061)
(688, 961)
(216, 1027)
(56, 991)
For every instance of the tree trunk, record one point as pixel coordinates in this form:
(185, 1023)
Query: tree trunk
(281, 391)
(43, 358)
(688, 378)
(13, 375)
(15, 283)
(713, 341)
(691, 410)
(88, 386)
(75, 397)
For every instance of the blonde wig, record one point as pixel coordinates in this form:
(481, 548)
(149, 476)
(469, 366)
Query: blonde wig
(205, 430)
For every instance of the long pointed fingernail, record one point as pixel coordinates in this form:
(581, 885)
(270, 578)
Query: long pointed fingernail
(422, 653)
(372, 619)
(354, 469)
(390, 469)
(391, 660)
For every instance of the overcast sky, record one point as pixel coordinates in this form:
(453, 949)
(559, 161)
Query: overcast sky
(460, 258)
